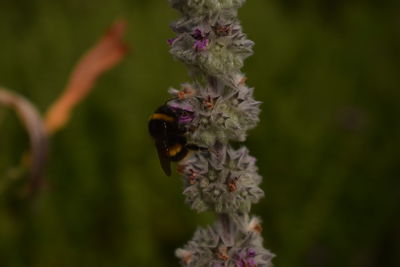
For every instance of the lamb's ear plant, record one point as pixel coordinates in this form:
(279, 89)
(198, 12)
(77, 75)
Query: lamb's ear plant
(220, 178)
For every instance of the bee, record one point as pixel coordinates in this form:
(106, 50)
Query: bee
(168, 128)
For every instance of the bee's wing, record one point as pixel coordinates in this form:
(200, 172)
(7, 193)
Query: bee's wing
(163, 149)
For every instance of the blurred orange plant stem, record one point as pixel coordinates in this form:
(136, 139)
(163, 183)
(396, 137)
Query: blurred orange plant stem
(105, 54)
(108, 51)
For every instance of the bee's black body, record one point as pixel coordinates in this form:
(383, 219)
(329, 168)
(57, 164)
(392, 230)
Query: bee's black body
(169, 136)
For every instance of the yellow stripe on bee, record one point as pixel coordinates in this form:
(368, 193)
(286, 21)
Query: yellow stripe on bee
(175, 149)
(160, 116)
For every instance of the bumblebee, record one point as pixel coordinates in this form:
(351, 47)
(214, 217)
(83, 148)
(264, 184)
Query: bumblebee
(168, 128)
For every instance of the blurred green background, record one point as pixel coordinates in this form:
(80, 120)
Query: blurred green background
(328, 145)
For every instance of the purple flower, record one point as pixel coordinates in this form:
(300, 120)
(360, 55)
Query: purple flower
(201, 45)
(201, 42)
(251, 253)
(186, 117)
(251, 262)
(246, 259)
(185, 113)
(246, 263)
(198, 35)
(171, 41)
